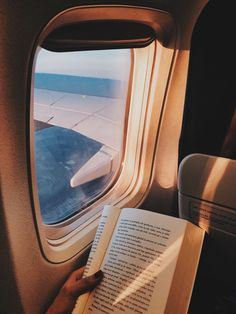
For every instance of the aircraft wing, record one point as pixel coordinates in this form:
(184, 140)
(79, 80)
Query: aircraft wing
(86, 115)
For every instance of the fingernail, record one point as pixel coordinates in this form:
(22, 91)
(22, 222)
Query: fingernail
(98, 274)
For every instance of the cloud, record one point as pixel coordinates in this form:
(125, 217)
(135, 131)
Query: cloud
(114, 64)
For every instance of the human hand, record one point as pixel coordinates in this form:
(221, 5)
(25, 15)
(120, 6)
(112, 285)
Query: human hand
(72, 288)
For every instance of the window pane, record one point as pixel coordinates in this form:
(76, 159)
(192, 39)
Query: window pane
(79, 107)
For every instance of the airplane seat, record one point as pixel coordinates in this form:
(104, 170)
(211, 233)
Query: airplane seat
(209, 118)
(207, 197)
(207, 151)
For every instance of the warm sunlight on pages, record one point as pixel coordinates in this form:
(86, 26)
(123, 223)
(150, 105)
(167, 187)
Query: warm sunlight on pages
(155, 268)
(138, 251)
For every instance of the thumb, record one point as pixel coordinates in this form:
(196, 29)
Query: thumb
(86, 284)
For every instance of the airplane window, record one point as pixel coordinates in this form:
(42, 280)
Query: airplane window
(79, 111)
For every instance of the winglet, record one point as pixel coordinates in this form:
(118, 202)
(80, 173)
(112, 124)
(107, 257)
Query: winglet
(101, 164)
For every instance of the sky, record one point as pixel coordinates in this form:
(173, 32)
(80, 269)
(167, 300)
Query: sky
(113, 64)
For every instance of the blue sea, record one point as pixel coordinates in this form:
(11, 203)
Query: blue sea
(59, 153)
(91, 86)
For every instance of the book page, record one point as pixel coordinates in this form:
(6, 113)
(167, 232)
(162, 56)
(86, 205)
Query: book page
(185, 271)
(103, 236)
(139, 264)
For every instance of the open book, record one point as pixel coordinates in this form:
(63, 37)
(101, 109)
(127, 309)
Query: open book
(149, 262)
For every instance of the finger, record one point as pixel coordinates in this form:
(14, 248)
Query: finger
(87, 284)
(77, 274)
